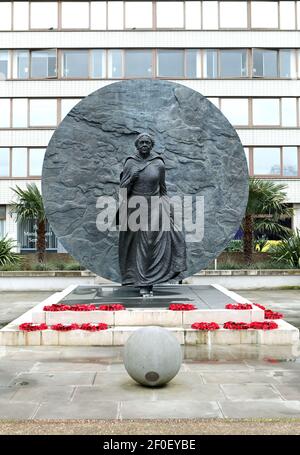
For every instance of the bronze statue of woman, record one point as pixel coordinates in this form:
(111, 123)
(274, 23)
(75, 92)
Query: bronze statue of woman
(148, 256)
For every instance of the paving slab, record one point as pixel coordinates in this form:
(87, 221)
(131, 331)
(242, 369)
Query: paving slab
(239, 377)
(43, 393)
(177, 390)
(127, 391)
(58, 378)
(260, 409)
(6, 378)
(250, 392)
(70, 366)
(91, 410)
(169, 409)
(219, 366)
(17, 410)
(289, 392)
(6, 393)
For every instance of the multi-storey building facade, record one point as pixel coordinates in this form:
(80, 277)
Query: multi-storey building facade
(243, 55)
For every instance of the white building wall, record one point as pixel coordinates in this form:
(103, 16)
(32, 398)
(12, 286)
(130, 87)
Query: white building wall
(208, 87)
(152, 39)
(132, 39)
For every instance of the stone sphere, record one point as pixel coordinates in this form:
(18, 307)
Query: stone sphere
(152, 356)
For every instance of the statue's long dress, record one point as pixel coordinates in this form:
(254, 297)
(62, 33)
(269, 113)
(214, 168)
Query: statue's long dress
(153, 256)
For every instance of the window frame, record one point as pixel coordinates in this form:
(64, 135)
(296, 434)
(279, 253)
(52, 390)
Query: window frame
(270, 176)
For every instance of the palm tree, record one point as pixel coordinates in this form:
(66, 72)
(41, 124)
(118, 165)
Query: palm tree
(266, 207)
(30, 206)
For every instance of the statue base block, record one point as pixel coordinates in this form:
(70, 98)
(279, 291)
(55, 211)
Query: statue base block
(209, 301)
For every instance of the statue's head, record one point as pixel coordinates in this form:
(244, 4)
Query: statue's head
(144, 143)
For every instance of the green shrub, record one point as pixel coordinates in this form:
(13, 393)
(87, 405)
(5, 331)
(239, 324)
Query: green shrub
(73, 266)
(288, 251)
(7, 256)
(234, 246)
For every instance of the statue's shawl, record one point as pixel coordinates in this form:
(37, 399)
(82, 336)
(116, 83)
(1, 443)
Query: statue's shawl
(138, 164)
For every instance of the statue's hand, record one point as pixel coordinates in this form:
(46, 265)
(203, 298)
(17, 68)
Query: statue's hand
(134, 176)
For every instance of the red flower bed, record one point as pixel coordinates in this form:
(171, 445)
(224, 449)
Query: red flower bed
(112, 307)
(83, 307)
(65, 328)
(269, 314)
(236, 325)
(88, 326)
(263, 325)
(57, 307)
(205, 326)
(238, 306)
(182, 307)
(94, 327)
(31, 327)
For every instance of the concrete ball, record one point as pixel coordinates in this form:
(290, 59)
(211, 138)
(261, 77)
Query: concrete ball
(152, 356)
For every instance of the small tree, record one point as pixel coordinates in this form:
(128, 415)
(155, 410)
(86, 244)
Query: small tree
(7, 256)
(30, 206)
(266, 207)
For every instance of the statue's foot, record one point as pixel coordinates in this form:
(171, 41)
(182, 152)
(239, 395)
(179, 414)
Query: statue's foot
(146, 291)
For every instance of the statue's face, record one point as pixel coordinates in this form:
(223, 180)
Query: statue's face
(144, 145)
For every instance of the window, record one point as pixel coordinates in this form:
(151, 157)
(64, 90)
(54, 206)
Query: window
(138, 14)
(193, 15)
(36, 158)
(115, 63)
(3, 65)
(289, 112)
(98, 64)
(66, 106)
(285, 60)
(236, 110)
(138, 63)
(75, 63)
(27, 235)
(98, 15)
(266, 111)
(115, 15)
(193, 68)
(20, 113)
(5, 15)
(19, 162)
(287, 15)
(75, 15)
(4, 162)
(21, 64)
(211, 63)
(290, 161)
(210, 15)
(233, 14)
(266, 160)
(246, 149)
(233, 63)
(170, 63)
(2, 220)
(43, 15)
(264, 14)
(4, 112)
(43, 112)
(21, 16)
(169, 14)
(43, 63)
(265, 63)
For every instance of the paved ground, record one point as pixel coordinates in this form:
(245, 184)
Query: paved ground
(232, 382)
